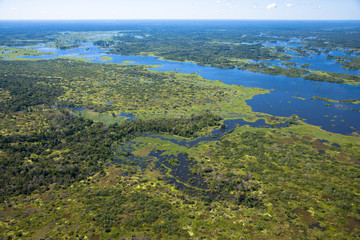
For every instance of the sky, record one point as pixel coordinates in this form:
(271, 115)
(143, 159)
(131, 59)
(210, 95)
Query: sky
(181, 9)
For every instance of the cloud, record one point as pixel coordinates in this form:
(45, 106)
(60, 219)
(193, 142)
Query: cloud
(271, 6)
(218, 1)
(254, 6)
(13, 9)
(289, 5)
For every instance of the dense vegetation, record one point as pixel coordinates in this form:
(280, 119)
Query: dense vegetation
(290, 173)
(115, 151)
(71, 149)
(350, 63)
(200, 49)
(300, 72)
(80, 147)
(25, 91)
(111, 90)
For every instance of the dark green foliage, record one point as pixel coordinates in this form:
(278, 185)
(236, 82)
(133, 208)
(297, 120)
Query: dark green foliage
(84, 148)
(254, 67)
(67, 149)
(218, 55)
(70, 150)
(273, 163)
(288, 72)
(176, 126)
(289, 64)
(274, 70)
(300, 51)
(137, 210)
(335, 38)
(304, 65)
(332, 77)
(322, 78)
(25, 90)
(104, 43)
(299, 72)
(350, 63)
(204, 48)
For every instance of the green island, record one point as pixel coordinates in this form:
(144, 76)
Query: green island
(350, 63)
(12, 53)
(121, 151)
(303, 73)
(353, 101)
(105, 59)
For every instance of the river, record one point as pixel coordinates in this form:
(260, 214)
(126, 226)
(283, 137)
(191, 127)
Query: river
(288, 96)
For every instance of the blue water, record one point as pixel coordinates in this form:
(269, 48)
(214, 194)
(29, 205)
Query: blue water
(128, 116)
(317, 62)
(341, 118)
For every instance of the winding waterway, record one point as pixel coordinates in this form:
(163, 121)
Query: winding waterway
(288, 96)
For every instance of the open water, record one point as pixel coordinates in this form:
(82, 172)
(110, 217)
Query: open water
(283, 100)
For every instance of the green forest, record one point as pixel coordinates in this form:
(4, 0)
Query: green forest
(123, 151)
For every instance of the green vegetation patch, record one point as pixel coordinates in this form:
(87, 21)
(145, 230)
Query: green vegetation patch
(68, 151)
(132, 89)
(301, 72)
(353, 101)
(350, 63)
(289, 177)
(105, 59)
(14, 53)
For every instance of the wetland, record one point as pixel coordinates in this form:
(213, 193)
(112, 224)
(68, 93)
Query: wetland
(179, 130)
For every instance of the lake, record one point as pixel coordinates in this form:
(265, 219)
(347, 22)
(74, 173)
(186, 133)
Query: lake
(283, 100)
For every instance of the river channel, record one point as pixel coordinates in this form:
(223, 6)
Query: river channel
(288, 96)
